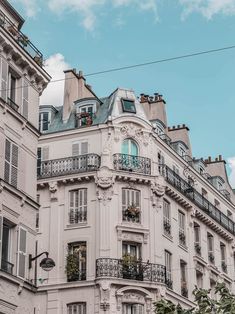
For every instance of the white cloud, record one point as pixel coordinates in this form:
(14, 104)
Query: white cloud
(53, 94)
(31, 7)
(89, 9)
(231, 162)
(208, 8)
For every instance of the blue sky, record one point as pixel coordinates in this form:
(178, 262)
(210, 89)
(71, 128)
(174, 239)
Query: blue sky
(95, 35)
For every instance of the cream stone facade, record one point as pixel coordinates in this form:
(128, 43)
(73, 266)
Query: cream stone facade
(22, 81)
(128, 215)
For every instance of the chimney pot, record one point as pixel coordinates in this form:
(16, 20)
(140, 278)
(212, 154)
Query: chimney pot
(220, 158)
(80, 73)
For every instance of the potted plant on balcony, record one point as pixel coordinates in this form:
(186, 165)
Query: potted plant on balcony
(167, 226)
(129, 266)
(184, 289)
(73, 261)
(224, 267)
(182, 238)
(132, 212)
(211, 257)
(23, 40)
(38, 60)
(197, 247)
(13, 30)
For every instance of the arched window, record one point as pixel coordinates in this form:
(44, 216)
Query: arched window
(129, 147)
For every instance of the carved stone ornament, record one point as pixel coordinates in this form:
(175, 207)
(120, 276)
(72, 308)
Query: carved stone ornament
(133, 297)
(188, 174)
(158, 186)
(104, 195)
(104, 295)
(104, 178)
(133, 131)
(53, 188)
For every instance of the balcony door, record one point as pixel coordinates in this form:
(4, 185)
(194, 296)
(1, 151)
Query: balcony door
(129, 147)
(134, 308)
(131, 249)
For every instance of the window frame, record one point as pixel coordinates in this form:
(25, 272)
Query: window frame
(43, 122)
(130, 142)
(81, 310)
(124, 109)
(168, 265)
(81, 209)
(11, 164)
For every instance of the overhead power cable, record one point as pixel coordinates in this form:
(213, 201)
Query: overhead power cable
(139, 65)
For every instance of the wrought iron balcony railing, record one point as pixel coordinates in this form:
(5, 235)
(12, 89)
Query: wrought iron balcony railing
(118, 268)
(132, 163)
(69, 165)
(77, 216)
(20, 38)
(186, 189)
(7, 267)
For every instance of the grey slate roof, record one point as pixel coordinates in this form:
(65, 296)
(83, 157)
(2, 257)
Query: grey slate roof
(101, 116)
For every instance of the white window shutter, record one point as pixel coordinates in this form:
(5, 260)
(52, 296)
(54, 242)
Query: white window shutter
(22, 252)
(25, 100)
(75, 149)
(7, 160)
(45, 153)
(1, 227)
(84, 148)
(4, 77)
(14, 164)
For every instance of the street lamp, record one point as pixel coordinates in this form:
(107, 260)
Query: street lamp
(46, 263)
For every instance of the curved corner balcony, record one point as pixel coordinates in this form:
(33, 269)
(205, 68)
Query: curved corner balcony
(118, 268)
(20, 38)
(132, 163)
(67, 166)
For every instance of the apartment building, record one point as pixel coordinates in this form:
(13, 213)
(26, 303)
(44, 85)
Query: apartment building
(22, 81)
(127, 213)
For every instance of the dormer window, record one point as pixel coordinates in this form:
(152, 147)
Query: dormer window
(218, 182)
(128, 105)
(159, 129)
(44, 121)
(85, 111)
(180, 148)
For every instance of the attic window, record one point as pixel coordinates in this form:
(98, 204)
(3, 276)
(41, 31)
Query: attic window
(128, 106)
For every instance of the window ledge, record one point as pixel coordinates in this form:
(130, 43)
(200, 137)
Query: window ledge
(168, 237)
(77, 226)
(183, 247)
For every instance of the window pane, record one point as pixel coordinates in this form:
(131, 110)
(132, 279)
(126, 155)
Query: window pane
(125, 149)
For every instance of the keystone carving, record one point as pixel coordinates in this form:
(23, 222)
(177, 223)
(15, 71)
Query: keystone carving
(104, 195)
(53, 188)
(158, 186)
(104, 178)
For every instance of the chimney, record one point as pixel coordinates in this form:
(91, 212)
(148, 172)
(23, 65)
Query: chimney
(70, 92)
(154, 107)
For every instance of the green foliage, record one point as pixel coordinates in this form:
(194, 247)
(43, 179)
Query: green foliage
(205, 305)
(72, 265)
